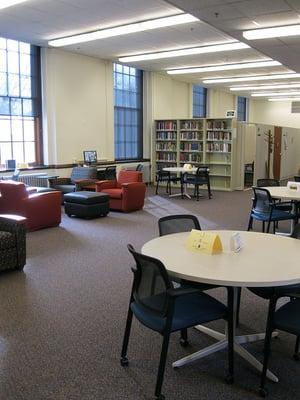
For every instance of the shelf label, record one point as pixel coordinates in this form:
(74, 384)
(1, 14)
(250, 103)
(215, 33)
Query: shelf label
(204, 242)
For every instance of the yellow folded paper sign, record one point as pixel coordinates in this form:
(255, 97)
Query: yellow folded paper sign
(204, 242)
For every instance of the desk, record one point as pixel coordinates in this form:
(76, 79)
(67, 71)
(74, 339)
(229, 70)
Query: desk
(231, 269)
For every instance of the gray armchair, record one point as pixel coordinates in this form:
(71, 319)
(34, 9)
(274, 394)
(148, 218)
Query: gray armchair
(80, 177)
(12, 244)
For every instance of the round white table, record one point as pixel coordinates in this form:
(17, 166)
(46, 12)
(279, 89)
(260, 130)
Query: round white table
(181, 170)
(264, 261)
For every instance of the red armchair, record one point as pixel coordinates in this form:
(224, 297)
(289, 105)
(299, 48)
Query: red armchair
(127, 193)
(42, 210)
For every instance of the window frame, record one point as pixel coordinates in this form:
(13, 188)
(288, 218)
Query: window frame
(134, 131)
(35, 97)
(242, 108)
(201, 95)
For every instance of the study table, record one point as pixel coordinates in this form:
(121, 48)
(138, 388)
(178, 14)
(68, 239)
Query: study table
(262, 262)
(181, 170)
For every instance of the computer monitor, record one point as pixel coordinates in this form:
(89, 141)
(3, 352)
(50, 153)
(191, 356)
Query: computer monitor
(90, 156)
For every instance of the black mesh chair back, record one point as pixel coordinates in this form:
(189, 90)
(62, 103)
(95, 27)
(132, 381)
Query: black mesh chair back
(296, 232)
(110, 173)
(297, 178)
(151, 282)
(262, 200)
(267, 182)
(177, 223)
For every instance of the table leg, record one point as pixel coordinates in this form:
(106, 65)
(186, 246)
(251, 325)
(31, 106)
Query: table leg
(222, 343)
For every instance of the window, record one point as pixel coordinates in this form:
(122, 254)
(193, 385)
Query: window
(128, 91)
(199, 101)
(242, 109)
(20, 102)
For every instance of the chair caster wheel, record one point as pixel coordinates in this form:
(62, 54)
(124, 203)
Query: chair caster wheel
(183, 342)
(296, 356)
(124, 361)
(263, 392)
(229, 379)
(160, 397)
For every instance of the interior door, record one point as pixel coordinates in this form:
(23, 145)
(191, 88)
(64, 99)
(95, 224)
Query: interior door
(277, 152)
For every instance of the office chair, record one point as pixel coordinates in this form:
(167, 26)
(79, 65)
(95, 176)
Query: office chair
(286, 318)
(201, 177)
(266, 209)
(164, 309)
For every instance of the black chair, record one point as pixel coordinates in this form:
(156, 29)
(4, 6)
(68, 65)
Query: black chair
(200, 178)
(286, 318)
(267, 182)
(265, 209)
(166, 177)
(160, 307)
(297, 178)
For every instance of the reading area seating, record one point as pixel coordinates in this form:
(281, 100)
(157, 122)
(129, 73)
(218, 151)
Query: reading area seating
(80, 176)
(127, 193)
(12, 243)
(41, 210)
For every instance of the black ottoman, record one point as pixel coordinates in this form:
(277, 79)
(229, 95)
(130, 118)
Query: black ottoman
(86, 204)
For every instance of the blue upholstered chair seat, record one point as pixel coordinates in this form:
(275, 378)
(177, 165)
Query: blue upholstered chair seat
(201, 308)
(277, 215)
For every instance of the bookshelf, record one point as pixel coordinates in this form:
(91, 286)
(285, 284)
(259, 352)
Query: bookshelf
(191, 139)
(207, 141)
(219, 152)
(166, 146)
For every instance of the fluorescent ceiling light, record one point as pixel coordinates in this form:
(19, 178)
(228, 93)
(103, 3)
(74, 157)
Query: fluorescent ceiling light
(278, 31)
(270, 94)
(124, 29)
(286, 99)
(185, 52)
(9, 3)
(224, 67)
(265, 87)
(252, 78)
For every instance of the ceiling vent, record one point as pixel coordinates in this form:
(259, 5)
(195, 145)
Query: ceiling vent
(295, 107)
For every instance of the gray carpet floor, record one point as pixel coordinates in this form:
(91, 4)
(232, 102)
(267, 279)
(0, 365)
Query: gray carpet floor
(62, 319)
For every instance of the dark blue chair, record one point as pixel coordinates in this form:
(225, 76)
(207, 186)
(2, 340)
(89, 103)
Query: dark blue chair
(162, 308)
(286, 318)
(200, 178)
(267, 210)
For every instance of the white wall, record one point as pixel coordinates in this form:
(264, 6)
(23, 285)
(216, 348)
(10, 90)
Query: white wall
(290, 153)
(78, 106)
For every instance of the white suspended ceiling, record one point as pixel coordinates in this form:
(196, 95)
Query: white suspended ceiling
(221, 21)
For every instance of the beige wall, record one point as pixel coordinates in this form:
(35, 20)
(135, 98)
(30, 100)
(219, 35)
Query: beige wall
(274, 113)
(219, 102)
(78, 106)
(171, 98)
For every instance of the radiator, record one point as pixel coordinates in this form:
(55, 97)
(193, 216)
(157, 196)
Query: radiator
(34, 180)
